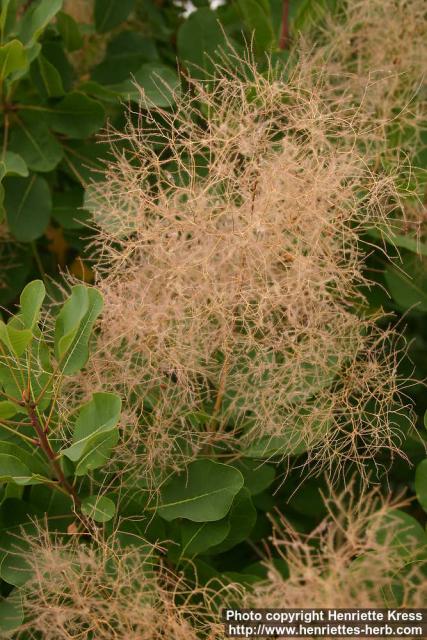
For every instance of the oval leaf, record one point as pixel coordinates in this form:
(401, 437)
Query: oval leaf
(13, 470)
(28, 206)
(73, 327)
(77, 116)
(31, 300)
(110, 13)
(98, 508)
(204, 494)
(31, 138)
(95, 432)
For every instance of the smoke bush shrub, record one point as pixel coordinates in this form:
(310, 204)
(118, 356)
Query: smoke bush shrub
(240, 231)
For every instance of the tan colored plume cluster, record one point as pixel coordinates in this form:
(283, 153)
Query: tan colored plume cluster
(364, 554)
(106, 592)
(231, 267)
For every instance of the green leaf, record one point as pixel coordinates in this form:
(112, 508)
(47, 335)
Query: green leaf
(8, 409)
(199, 537)
(37, 18)
(28, 205)
(31, 300)
(155, 83)
(13, 164)
(198, 39)
(309, 12)
(258, 476)
(4, 14)
(31, 138)
(16, 340)
(242, 518)
(85, 159)
(409, 241)
(421, 484)
(95, 432)
(405, 534)
(77, 116)
(13, 470)
(257, 19)
(269, 446)
(110, 13)
(407, 282)
(74, 325)
(13, 57)
(203, 494)
(11, 612)
(69, 30)
(28, 455)
(46, 78)
(18, 521)
(98, 508)
(67, 208)
(125, 55)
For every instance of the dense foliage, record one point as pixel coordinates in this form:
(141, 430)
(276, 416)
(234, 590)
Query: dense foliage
(214, 292)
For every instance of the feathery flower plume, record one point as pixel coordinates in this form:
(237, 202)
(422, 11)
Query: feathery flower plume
(231, 265)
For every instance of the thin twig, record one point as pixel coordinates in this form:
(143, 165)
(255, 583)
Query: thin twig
(284, 31)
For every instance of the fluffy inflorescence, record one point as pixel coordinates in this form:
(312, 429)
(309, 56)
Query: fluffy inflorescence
(376, 50)
(107, 592)
(231, 268)
(354, 559)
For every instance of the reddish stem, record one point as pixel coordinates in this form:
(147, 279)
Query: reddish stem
(51, 455)
(284, 32)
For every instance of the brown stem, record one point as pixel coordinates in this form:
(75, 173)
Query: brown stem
(284, 31)
(45, 446)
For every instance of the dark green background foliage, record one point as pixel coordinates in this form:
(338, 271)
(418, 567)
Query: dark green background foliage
(62, 83)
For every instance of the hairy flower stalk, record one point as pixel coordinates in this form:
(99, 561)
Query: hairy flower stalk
(231, 268)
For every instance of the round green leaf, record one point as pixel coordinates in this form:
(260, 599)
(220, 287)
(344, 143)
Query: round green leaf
(95, 432)
(31, 138)
(98, 508)
(203, 494)
(13, 470)
(242, 518)
(13, 164)
(46, 78)
(31, 301)
(69, 30)
(406, 535)
(407, 281)
(198, 38)
(198, 537)
(74, 325)
(28, 205)
(110, 13)
(11, 612)
(125, 55)
(77, 116)
(13, 57)
(36, 19)
(8, 409)
(258, 476)
(156, 83)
